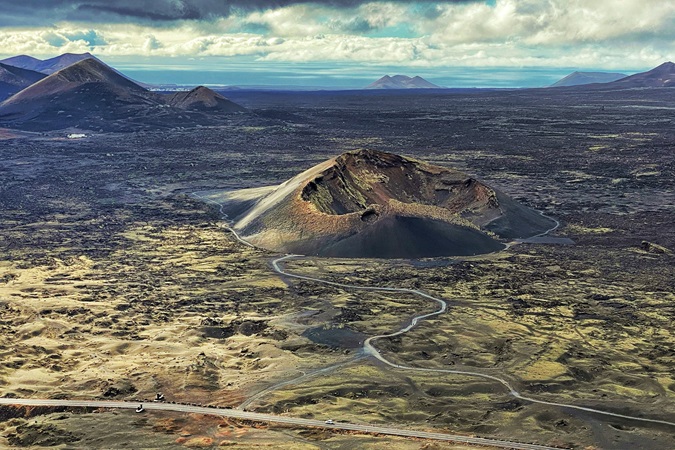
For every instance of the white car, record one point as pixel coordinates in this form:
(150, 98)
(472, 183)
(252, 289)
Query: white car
(329, 422)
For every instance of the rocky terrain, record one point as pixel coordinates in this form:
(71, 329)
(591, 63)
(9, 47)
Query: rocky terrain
(116, 283)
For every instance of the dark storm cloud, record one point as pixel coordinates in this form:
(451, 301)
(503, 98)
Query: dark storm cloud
(152, 10)
(38, 12)
(120, 11)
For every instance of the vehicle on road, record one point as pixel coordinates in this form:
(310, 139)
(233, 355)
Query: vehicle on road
(140, 408)
(329, 422)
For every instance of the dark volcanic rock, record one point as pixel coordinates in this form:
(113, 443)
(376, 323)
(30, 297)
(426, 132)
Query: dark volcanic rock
(650, 247)
(40, 435)
(120, 388)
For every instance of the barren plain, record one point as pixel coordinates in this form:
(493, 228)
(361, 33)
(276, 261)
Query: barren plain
(116, 282)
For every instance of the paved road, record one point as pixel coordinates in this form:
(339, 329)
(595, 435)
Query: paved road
(237, 414)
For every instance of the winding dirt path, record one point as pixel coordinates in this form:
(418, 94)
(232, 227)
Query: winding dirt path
(371, 350)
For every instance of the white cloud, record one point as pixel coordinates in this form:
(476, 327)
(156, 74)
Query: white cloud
(554, 33)
(297, 20)
(150, 43)
(552, 22)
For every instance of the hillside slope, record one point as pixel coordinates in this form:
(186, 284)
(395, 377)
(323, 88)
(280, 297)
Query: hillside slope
(14, 79)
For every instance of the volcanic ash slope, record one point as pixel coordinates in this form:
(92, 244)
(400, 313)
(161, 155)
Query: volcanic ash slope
(373, 204)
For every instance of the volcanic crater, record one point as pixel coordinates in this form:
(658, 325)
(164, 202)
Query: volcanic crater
(373, 204)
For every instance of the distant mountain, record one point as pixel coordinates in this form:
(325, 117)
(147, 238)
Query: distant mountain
(579, 78)
(13, 79)
(83, 92)
(203, 99)
(51, 65)
(402, 82)
(23, 62)
(47, 66)
(91, 95)
(661, 76)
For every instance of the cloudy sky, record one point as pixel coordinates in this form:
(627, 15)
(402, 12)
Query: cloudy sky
(347, 42)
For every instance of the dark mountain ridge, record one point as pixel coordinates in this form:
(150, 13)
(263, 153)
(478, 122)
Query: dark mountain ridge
(47, 66)
(581, 78)
(23, 62)
(14, 79)
(660, 76)
(203, 99)
(91, 95)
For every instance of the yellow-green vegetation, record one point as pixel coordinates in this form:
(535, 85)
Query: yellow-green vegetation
(580, 229)
(556, 325)
(648, 173)
(183, 309)
(253, 129)
(180, 309)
